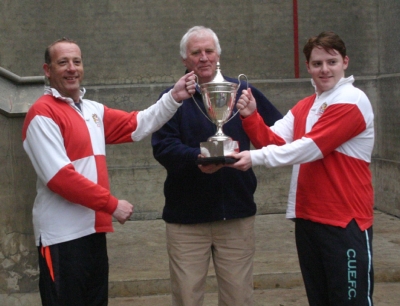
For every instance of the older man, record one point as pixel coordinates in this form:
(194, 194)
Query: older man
(209, 211)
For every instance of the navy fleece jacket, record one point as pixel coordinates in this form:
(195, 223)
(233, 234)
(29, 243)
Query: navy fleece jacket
(195, 197)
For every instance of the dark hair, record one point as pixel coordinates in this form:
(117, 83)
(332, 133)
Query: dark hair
(327, 40)
(47, 57)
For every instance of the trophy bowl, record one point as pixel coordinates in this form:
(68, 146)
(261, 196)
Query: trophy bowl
(219, 100)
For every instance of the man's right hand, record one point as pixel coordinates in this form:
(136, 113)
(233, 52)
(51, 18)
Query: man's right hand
(184, 88)
(244, 162)
(123, 211)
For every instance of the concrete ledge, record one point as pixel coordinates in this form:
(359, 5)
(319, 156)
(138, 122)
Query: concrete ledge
(18, 93)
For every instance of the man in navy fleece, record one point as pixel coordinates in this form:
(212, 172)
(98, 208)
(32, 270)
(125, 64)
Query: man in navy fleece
(209, 211)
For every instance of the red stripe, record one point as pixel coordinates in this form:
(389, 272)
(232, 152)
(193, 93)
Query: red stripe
(296, 40)
(47, 256)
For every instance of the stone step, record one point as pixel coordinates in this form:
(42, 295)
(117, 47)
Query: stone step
(139, 261)
(139, 265)
(385, 294)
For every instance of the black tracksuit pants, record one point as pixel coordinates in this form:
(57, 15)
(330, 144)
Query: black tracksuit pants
(336, 263)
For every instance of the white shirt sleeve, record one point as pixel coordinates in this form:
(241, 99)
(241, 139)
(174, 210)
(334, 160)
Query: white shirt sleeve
(300, 151)
(155, 116)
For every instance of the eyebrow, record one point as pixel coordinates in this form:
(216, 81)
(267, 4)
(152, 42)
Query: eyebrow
(66, 58)
(320, 60)
(198, 49)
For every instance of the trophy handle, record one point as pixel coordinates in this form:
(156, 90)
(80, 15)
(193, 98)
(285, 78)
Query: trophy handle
(195, 102)
(247, 80)
(240, 83)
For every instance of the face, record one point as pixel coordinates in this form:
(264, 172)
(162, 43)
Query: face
(326, 69)
(201, 57)
(65, 72)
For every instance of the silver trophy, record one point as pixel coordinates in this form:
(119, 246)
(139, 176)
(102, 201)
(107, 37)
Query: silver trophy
(219, 98)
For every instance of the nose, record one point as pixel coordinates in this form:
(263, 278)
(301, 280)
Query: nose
(71, 66)
(324, 66)
(203, 57)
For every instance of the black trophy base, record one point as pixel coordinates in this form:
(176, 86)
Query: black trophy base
(216, 160)
(218, 152)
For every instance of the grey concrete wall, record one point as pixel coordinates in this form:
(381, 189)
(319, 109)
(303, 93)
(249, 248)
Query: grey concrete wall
(131, 53)
(355, 21)
(131, 42)
(386, 164)
(387, 157)
(18, 256)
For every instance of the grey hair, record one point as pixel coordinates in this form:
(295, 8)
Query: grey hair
(199, 31)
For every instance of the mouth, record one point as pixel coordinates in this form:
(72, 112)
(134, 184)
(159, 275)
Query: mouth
(71, 78)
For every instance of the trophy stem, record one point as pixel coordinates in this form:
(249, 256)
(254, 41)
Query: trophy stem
(219, 135)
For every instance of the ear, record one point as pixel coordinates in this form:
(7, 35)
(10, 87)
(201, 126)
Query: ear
(46, 70)
(345, 62)
(308, 67)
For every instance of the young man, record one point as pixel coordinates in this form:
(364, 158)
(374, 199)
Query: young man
(209, 211)
(65, 137)
(329, 138)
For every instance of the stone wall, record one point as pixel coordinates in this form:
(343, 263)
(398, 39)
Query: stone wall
(131, 53)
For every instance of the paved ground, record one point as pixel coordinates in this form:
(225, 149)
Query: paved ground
(139, 265)
(386, 294)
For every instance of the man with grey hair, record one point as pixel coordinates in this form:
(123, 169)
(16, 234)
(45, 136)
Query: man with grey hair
(209, 209)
